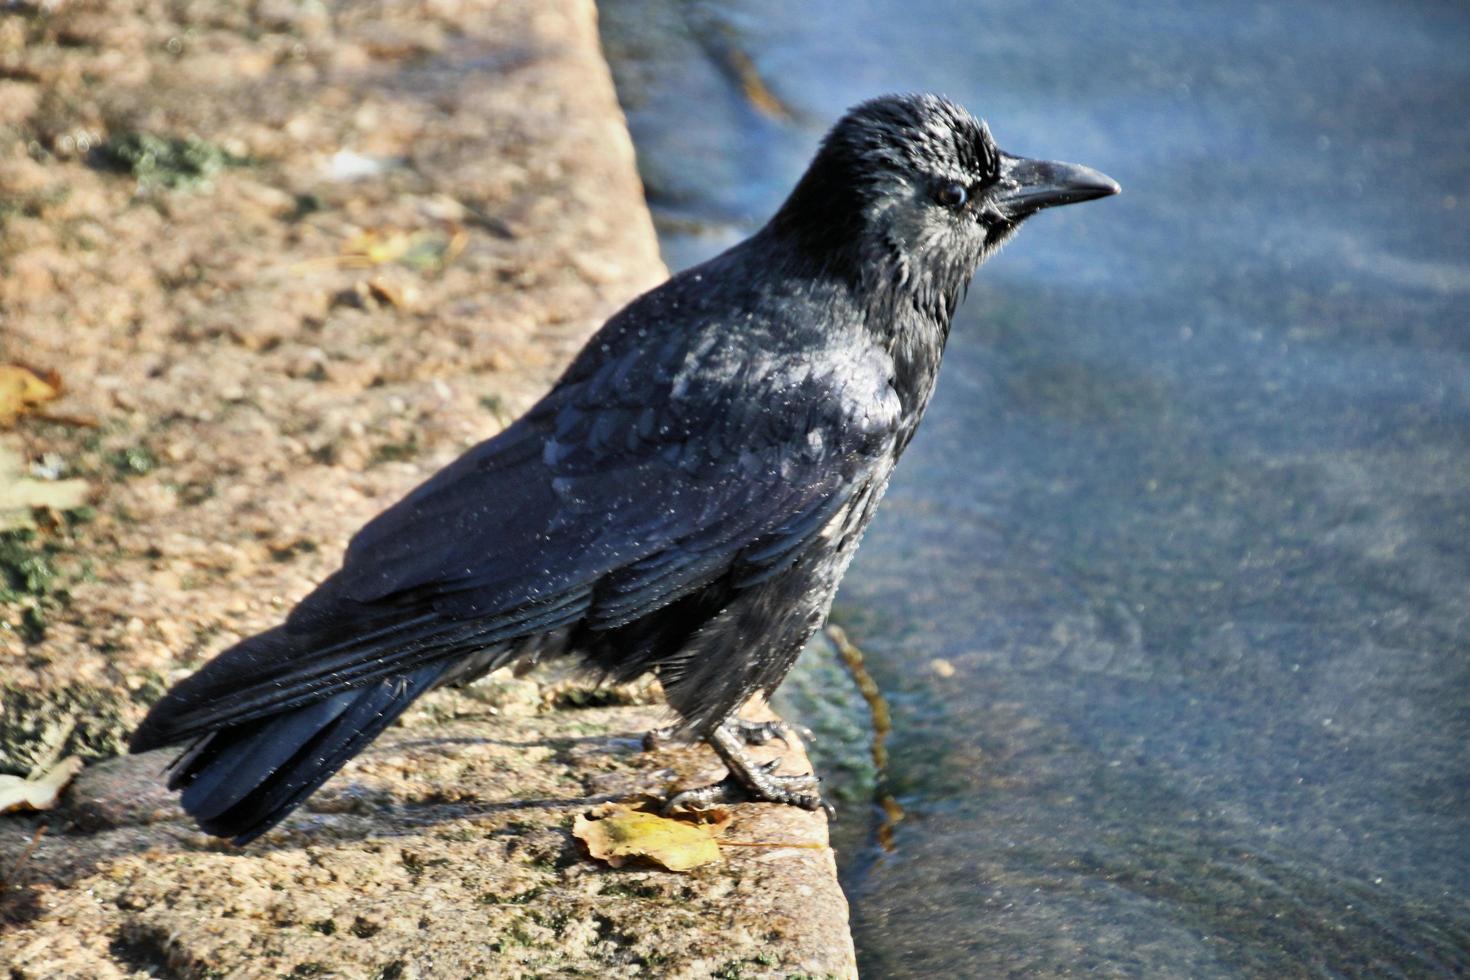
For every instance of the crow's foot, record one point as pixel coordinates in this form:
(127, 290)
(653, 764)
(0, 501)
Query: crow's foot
(749, 732)
(759, 732)
(750, 780)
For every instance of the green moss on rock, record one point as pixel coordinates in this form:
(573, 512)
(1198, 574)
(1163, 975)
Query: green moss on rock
(77, 719)
(167, 161)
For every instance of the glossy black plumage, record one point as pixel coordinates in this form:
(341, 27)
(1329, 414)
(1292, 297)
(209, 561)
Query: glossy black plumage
(684, 501)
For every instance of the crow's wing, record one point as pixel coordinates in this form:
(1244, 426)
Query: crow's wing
(638, 480)
(684, 455)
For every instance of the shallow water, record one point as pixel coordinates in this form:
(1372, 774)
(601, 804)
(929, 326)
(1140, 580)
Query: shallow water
(1188, 524)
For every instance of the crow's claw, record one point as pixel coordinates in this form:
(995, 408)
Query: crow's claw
(791, 790)
(726, 790)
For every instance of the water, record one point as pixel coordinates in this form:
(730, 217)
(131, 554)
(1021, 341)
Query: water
(1171, 592)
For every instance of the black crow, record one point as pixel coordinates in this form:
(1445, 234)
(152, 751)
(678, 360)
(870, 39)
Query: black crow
(684, 501)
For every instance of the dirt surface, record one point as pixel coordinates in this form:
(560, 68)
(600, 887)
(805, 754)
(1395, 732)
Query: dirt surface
(287, 259)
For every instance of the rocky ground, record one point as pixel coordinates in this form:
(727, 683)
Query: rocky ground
(287, 258)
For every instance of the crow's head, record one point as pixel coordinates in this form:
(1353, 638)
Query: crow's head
(913, 190)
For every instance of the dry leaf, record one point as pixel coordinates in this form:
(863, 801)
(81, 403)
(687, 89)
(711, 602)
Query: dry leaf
(19, 493)
(392, 294)
(21, 389)
(714, 818)
(425, 251)
(377, 247)
(40, 793)
(617, 834)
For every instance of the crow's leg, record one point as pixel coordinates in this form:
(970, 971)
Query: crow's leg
(749, 780)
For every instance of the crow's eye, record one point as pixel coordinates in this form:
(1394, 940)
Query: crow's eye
(953, 195)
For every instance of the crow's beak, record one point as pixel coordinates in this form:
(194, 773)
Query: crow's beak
(1027, 186)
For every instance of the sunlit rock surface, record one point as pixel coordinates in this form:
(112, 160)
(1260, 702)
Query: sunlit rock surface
(288, 259)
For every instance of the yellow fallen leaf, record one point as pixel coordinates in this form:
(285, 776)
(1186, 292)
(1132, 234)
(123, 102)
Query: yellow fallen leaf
(21, 389)
(714, 819)
(40, 793)
(402, 297)
(617, 834)
(426, 251)
(20, 494)
(378, 247)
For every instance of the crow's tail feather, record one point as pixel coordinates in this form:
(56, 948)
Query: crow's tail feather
(241, 780)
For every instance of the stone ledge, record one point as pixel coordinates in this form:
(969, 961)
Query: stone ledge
(444, 851)
(253, 367)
